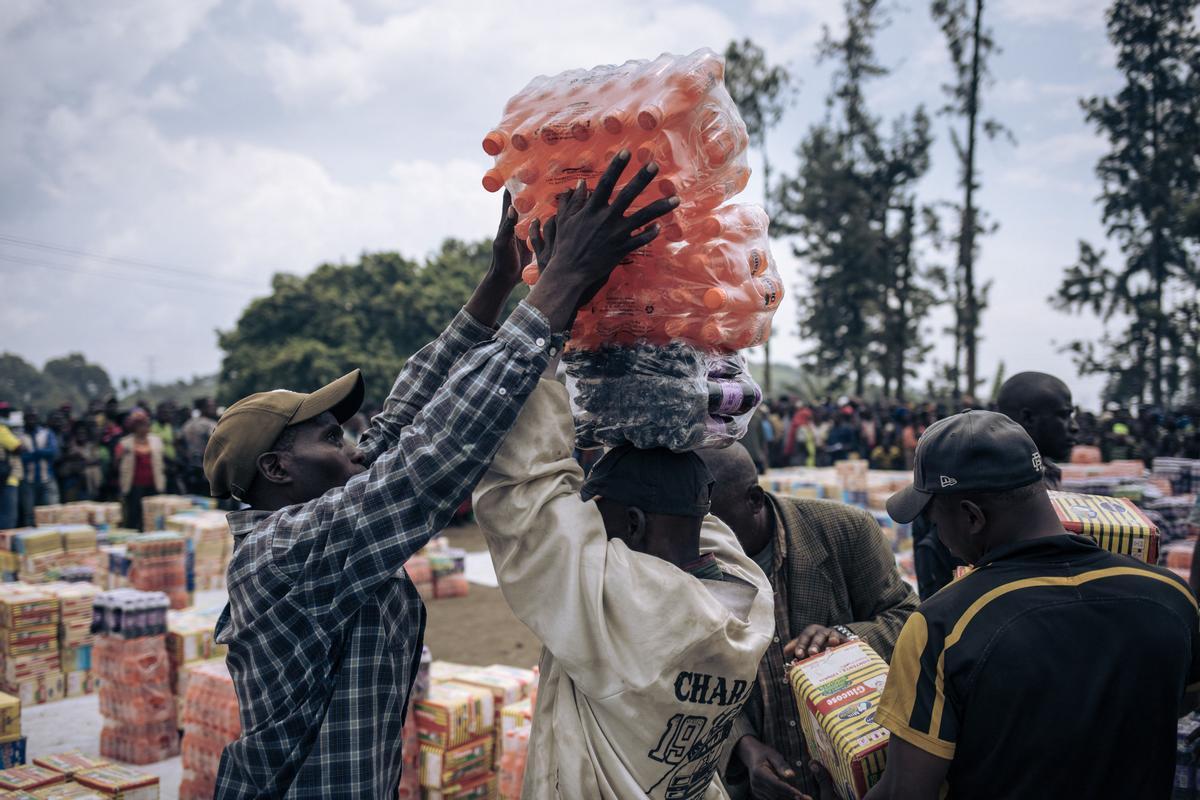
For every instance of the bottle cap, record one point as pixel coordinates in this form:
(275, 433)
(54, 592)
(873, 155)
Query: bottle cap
(494, 143)
(493, 180)
(715, 298)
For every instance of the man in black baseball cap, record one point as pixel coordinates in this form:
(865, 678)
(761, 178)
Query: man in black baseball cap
(1037, 673)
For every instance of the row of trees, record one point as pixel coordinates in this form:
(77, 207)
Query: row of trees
(879, 258)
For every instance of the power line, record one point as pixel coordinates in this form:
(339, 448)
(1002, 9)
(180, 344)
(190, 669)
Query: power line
(211, 285)
(34, 244)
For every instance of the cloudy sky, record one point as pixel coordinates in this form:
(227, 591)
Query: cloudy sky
(159, 161)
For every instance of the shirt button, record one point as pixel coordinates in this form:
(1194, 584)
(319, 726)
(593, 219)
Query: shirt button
(503, 391)
(540, 342)
(792, 722)
(776, 640)
(553, 351)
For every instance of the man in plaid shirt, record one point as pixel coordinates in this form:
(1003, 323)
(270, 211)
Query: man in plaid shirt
(324, 629)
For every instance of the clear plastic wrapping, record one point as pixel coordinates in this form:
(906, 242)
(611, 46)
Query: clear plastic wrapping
(675, 396)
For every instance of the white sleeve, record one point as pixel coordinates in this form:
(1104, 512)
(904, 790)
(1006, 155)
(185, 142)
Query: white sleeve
(614, 619)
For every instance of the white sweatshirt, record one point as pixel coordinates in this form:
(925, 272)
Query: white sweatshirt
(644, 666)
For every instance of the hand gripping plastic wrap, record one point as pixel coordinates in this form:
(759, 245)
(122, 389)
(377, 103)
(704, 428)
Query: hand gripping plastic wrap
(653, 356)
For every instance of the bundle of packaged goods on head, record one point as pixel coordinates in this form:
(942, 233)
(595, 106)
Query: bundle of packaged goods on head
(207, 535)
(158, 563)
(157, 508)
(29, 643)
(210, 721)
(410, 775)
(190, 639)
(1115, 523)
(837, 693)
(653, 356)
(130, 658)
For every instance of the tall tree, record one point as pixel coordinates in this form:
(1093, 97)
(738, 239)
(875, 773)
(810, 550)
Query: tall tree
(853, 205)
(970, 45)
(371, 315)
(1150, 182)
(762, 93)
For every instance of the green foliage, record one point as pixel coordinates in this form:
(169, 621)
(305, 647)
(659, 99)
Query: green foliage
(371, 315)
(853, 205)
(70, 379)
(1150, 181)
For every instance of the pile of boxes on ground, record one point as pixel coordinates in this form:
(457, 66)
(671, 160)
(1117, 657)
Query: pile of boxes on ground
(467, 737)
(74, 775)
(438, 570)
(46, 641)
(210, 721)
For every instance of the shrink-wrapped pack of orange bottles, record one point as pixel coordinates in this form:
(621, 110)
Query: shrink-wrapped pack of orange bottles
(669, 322)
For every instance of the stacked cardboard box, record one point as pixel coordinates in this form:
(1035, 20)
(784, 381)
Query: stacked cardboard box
(513, 756)
(12, 741)
(131, 660)
(207, 534)
(75, 638)
(410, 775)
(29, 652)
(119, 783)
(158, 563)
(71, 762)
(456, 730)
(1115, 523)
(210, 721)
(189, 640)
(29, 779)
(836, 693)
(156, 509)
(99, 515)
(449, 572)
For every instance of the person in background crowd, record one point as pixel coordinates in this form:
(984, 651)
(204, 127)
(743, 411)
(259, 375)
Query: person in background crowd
(164, 428)
(84, 464)
(195, 434)
(834, 576)
(845, 437)
(1119, 444)
(758, 437)
(888, 454)
(108, 423)
(1041, 405)
(1049, 643)
(140, 467)
(10, 470)
(802, 439)
(41, 451)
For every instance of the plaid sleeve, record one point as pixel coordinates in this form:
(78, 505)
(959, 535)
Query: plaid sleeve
(337, 549)
(422, 375)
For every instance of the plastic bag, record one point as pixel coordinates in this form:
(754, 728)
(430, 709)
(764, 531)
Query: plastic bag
(675, 396)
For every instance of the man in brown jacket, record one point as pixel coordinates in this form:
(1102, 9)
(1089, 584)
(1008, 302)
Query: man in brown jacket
(834, 577)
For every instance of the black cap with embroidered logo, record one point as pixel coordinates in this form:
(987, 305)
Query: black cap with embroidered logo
(975, 451)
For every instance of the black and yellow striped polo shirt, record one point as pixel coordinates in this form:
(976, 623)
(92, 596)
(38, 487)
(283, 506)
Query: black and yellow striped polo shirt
(1055, 669)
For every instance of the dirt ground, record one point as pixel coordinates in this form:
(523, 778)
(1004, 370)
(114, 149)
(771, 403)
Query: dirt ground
(479, 628)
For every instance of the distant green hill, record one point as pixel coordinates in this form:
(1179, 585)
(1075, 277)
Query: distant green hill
(182, 392)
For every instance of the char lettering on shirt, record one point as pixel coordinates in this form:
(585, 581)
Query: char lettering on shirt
(705, 689)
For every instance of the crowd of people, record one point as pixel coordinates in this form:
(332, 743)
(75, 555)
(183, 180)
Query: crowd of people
(789, 432)
(102, 453)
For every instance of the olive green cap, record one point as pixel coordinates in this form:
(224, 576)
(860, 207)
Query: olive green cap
(249, 428)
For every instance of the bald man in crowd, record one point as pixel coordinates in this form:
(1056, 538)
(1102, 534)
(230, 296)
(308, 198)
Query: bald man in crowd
(834, 577)
(1042, 405)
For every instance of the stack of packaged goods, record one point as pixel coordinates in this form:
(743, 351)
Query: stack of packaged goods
(29, 617)
(12, 741)
(29, 779)
(1115, 523)
(83, 512)
(75, 637)
(421, 574)
(39, 553)
(210, 721)
(1172, 515)
(455, 727)
(1177, 557)
(71, 762)
(514, 755)
(207, 535)
(190, 639)
(447, 569)
(80, 553)
(158, 563)
(156, 509)
(410, 775)
(117, 782)
(131, 660)
(1183, 474)
(653, 356)
(837, 693)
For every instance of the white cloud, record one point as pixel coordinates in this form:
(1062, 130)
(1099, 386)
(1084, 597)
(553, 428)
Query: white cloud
(1083, 13)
